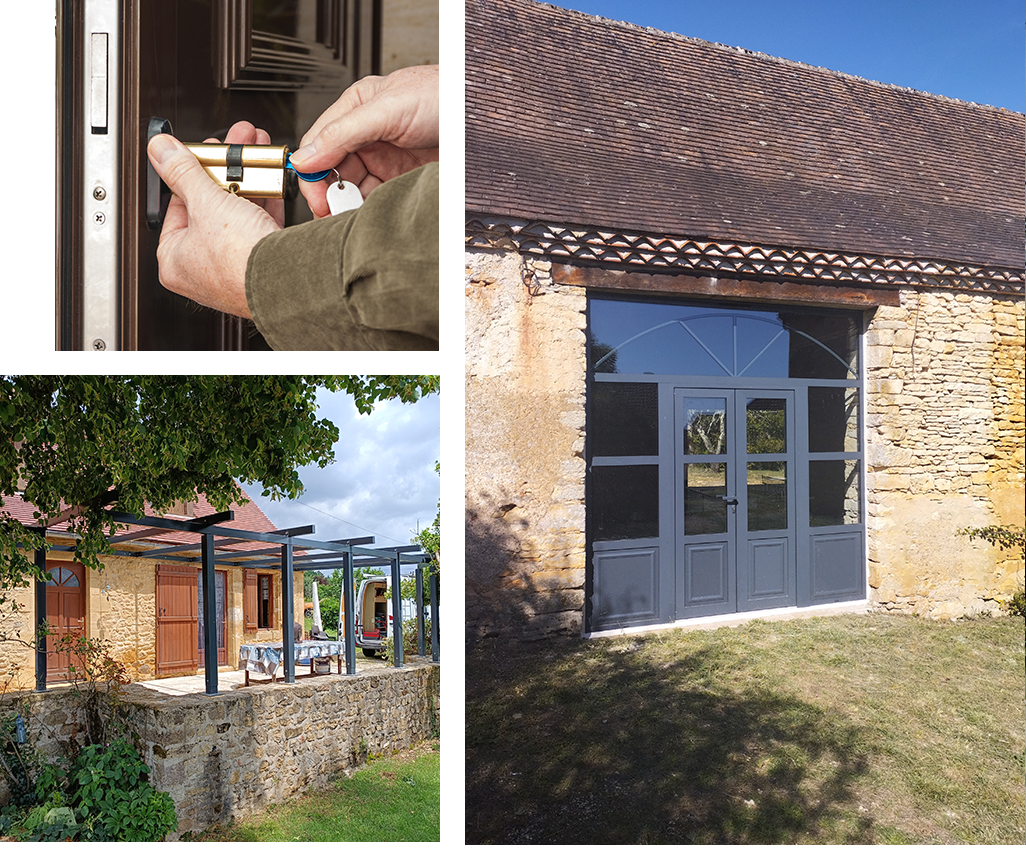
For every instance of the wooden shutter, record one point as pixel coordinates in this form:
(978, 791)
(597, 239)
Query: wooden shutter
(249, 599)
(177, 620)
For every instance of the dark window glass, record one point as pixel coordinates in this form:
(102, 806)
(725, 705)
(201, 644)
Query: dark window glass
(705, 493)
(625, 502)
(767, 495)
(822, 346)
(628, 337)
(833, 419)
(265, 609)
(625, 420)
(833, 493)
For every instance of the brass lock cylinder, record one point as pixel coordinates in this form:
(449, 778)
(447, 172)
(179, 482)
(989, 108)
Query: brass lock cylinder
(252, 171)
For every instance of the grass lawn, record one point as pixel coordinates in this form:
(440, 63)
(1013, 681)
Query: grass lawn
(392, 798)
(869, 729)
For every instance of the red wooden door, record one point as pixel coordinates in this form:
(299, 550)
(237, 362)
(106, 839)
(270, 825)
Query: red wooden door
(65, 612)
(177, 620)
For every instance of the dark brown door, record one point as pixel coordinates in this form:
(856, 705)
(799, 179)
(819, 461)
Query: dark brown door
(202, 65)
(177, 621)
(65, 612)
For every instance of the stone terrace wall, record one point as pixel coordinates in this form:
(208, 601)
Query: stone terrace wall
(945, 434)
(525, 384)
(233, 754)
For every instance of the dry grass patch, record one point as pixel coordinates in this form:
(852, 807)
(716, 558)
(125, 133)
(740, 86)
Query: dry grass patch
(867, 729)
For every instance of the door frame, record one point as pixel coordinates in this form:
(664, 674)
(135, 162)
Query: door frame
(55, 672)
(721, 571)
(170, 625)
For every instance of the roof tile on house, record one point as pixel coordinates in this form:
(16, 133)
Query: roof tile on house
(248, 517)
(582, 120)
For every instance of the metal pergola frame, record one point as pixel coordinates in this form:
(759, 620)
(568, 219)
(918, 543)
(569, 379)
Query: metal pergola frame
(319, 554)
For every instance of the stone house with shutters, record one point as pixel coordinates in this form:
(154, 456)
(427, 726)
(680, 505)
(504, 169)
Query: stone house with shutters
(148, 611)
(742, 334)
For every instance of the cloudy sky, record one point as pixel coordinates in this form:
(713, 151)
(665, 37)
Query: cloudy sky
(383, 481)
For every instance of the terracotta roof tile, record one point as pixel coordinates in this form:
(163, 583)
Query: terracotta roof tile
(248, 516)
(583, 120)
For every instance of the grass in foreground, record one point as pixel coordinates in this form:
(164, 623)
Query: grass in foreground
(392, 798)
(858, 729)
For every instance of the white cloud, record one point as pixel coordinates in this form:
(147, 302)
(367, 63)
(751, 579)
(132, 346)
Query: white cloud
(383, 481)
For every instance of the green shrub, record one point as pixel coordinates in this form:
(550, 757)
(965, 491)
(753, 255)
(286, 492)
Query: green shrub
(409, 639)
(111, 787)
(1017, 604)
(1005, 536)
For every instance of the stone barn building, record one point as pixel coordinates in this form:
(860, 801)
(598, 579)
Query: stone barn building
(742, 334)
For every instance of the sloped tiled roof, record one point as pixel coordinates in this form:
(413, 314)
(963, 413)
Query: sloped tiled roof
(248, 517)
(577, 119)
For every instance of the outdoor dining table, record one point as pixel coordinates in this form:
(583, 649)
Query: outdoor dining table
(266, 658)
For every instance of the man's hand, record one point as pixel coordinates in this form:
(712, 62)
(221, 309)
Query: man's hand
(380, 128)
(208, 233)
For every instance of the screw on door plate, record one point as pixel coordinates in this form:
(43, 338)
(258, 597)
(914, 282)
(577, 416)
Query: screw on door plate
(99, 218)
(99, 193)
(99, 345)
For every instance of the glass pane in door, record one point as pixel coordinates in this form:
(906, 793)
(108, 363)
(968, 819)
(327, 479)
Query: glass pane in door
(705, 431)
(705, 491)
(766, 426)
(767, 495)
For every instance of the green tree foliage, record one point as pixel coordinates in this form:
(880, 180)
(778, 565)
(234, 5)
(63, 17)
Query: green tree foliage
(87, 442)
(430, 538)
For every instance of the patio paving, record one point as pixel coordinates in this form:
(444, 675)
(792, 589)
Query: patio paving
(229, 679)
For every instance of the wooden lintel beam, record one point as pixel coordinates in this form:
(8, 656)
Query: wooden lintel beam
(791, 292)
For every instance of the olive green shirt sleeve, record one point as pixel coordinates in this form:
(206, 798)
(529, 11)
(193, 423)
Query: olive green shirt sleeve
(361, 280)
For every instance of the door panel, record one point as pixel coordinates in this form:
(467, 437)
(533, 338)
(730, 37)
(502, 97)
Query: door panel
(767, 574)
(177, 621)
(203, 66)
(705, 519)
(735, 501)
(65, 613)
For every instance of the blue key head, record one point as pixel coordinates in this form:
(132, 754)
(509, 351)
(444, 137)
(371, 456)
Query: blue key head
(308, 176)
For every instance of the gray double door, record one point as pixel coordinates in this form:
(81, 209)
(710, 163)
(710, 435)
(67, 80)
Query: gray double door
(735, 497)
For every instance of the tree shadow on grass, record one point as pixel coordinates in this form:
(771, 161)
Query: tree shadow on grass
(604, 744)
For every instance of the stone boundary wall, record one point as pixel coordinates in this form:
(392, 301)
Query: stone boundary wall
(525, 384)
(233, 754)
(944, 450)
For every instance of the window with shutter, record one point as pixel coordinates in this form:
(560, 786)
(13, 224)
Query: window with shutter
(249, 599)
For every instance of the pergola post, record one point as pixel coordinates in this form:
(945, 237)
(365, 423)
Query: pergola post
(397, 613)
(40, 560)
(349, 609)
(433, 586)
(288, 616)
(420, 609)
(209, 578)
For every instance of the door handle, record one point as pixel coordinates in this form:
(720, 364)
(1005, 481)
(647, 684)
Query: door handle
(730, 500)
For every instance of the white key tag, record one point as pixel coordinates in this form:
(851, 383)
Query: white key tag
(343, 196)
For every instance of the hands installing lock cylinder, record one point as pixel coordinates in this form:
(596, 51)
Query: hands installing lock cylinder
(366, 279)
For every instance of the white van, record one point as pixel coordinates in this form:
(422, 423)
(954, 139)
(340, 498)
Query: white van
(373, 614)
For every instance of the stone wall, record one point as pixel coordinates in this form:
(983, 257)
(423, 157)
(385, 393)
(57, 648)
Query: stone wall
(525, 383)
(944, 450)
(121, 609)
(235, 753)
